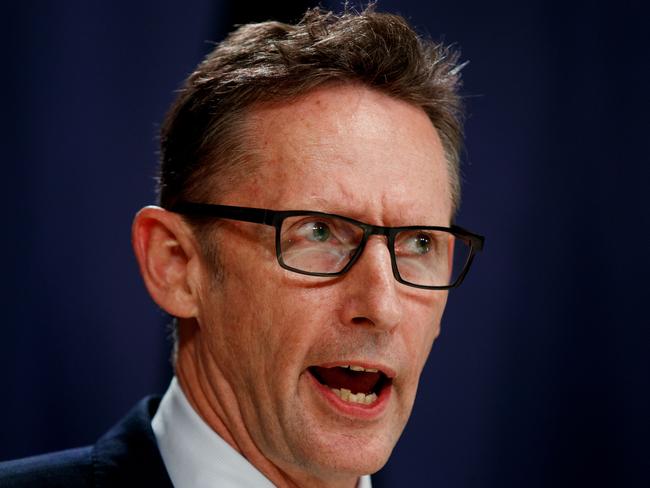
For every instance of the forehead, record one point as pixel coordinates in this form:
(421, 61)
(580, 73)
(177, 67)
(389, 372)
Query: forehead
(348, 149)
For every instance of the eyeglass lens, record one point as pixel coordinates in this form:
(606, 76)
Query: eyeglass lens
(325, 244)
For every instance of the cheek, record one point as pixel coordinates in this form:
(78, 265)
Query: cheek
(422, 333)
(261, 328)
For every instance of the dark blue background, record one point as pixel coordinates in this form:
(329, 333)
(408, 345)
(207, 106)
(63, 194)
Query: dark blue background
(541, 375)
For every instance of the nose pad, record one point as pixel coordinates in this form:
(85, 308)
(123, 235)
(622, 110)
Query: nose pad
(372, 290)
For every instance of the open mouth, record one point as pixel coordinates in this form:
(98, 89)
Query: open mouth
(352, 383)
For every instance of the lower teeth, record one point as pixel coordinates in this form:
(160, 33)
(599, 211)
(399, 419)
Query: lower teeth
(348, 396)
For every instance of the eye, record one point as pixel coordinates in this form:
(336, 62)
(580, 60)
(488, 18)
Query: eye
(418, 244)
(318, 231)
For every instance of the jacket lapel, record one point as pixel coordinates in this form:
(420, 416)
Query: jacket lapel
(127, 455)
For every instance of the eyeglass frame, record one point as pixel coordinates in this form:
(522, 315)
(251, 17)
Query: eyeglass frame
(275, 218)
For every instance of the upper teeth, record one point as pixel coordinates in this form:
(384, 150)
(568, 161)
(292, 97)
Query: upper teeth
(354, 367)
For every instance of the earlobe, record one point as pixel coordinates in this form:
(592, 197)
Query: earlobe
(164, 248)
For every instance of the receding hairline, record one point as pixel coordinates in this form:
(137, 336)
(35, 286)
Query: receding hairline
(246, 155)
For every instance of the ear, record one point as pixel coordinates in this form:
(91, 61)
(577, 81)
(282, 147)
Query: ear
(168, 256)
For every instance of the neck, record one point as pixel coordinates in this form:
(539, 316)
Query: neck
(213, 398)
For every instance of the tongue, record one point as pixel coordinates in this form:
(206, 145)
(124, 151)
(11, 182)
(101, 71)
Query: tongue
(355, 381)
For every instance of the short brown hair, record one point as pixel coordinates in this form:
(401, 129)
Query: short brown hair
(202, 138)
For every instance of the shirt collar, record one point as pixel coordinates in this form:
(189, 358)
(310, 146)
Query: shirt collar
(196, 456)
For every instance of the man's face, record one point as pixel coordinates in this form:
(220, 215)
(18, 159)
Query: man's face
(270, 336)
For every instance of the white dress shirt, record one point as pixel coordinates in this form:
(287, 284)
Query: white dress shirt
(196, 456)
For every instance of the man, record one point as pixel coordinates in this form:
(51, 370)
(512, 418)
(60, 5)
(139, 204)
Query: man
(309, 178)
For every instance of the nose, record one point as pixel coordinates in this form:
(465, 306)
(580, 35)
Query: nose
(372, 293)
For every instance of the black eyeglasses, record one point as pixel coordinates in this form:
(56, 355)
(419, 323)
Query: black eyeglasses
(322, 244)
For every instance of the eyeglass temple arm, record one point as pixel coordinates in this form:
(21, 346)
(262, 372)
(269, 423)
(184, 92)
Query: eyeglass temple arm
(246, 214)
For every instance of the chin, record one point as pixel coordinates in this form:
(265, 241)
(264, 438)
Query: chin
(347, 455)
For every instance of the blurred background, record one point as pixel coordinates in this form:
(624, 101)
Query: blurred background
(541, 377)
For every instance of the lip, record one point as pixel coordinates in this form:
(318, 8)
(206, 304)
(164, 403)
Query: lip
(349, 409)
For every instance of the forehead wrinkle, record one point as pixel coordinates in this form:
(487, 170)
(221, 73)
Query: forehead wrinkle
(330, 204)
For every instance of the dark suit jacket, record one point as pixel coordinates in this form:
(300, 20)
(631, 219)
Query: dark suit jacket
(126, 456)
